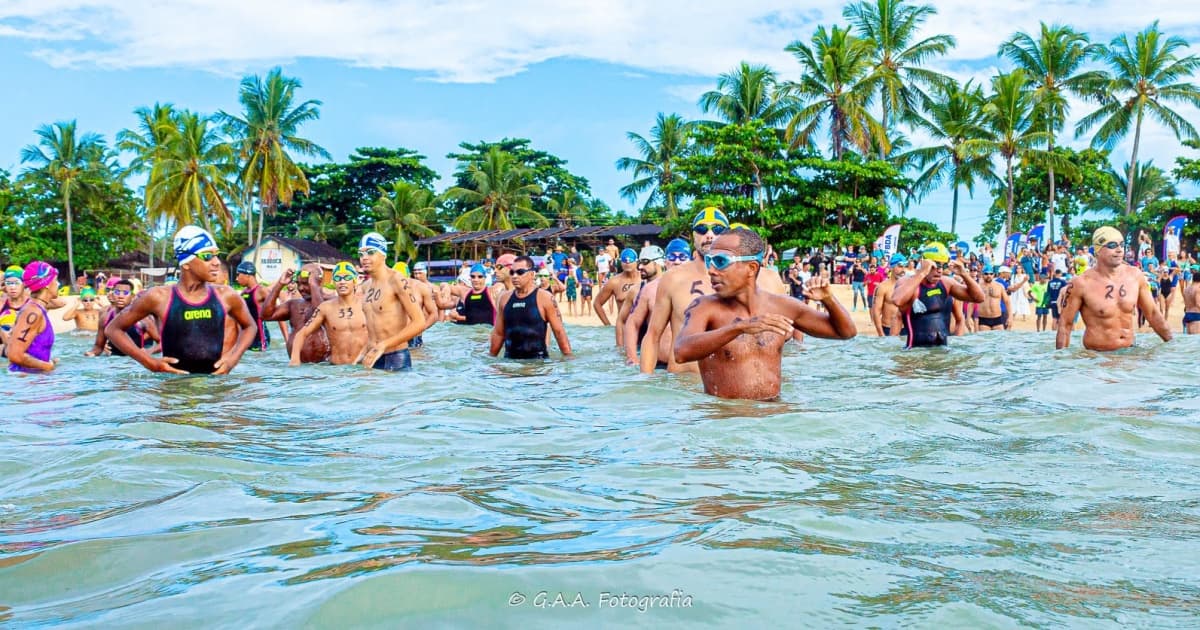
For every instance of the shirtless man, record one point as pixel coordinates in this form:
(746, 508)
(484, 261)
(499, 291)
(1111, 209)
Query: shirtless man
(1105, 295)
(651, 263)
(191, 314)
(424, 289)
(393, 310)
(297, 311)
(884, 315)
(1191, 305)
(623, 288)
(678, 288)
(342, 320)
(143, 332)
(995, 302)
(86, 312)
(737, 335)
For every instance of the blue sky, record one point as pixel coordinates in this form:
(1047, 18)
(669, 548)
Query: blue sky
(573, 76)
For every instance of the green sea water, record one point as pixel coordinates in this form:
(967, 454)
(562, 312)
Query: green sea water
(995, 484)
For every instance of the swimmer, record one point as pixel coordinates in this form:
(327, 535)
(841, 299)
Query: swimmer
(192, 314)
(622, 288)
(144, 333)
(651, 264)
(86, 312)
(737, 335)
(1191, 306)
(297, 311)
(926, 298)
(503, 277)
(1105, 295)
(32, 338)
(394, 314)
(15, 296)
(524, 316)
(255, 298)
(475, 305)
(342, 320)
(993, 310)
(884, 315)
(424, 290)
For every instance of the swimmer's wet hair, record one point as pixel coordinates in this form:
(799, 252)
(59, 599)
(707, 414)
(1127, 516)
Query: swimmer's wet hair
(525, 259)
(749, 242)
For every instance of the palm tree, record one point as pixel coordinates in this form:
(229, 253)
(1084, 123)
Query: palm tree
(654, 172)
(265, 133)
(1054, 63)
(320, 227)
(569, 209)
(500, 192)
(190, 179)
(836, 86)
(1149, 183)
(148, 142)
(954, 116)
(1011, 116)
(890, 29)
(1146, 75)
(69, 159)
(744, 94)
(406, 212)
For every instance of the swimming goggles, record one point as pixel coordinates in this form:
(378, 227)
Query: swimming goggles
(703, 228)
(12, 282)
(647, 261)
(120, 292)
(1113, 245)
(207, 256)
(679, 257)
(721, 262)
(349, 277)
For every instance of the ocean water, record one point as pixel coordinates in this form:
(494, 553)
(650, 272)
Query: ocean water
(994, 484)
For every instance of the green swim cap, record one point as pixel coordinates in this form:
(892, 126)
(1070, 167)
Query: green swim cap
(13, 271)
(87, 292)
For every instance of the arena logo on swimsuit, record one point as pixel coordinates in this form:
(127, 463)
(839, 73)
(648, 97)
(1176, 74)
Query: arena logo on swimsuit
(199, 313)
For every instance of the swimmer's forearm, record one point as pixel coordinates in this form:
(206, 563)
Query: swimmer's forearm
(839, 319)
(699, 345)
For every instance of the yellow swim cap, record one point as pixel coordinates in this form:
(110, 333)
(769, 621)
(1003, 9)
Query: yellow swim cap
(936, 252)
(402, 268)
(344, 269)
(739, 226)
(710, 216)
(1106, 234)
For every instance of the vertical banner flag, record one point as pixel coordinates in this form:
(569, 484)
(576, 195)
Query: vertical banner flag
(890, 241)
(1013, 244)
(1036, 234)
(1171, 235)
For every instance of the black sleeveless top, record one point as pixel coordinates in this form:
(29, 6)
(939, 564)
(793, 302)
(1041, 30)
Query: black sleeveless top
(262, 339)
(136, 332)
(194, 333)
(477, 308)
(524, 328)
(928, 319)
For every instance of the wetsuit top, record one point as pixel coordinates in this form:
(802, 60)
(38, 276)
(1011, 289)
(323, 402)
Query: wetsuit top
(262, 339)
(194, 333)
(477, 308)
(928, 319)
(40, 348)
(524, 328)
(136, 332)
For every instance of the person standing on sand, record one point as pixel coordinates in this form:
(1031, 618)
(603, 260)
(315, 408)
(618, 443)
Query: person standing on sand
(1037, 294)
(393, 310)
(586, 285)
(737, 334)
(1106, 295)
(343, 321)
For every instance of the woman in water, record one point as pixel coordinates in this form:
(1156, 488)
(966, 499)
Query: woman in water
(32, 336)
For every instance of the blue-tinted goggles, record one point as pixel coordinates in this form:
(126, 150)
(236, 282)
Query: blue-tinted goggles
(679, 257)
(721, 262)
(347, 277)
(703, 228)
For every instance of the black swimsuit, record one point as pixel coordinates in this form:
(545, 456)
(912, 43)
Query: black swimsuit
(477, 308)
(194, 333)
(524, 328)
(928, 319)
(136, 332)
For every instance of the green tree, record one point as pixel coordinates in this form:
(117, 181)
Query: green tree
(405, 213)
(955, 115)
(266, 136)
(190, 178)
(746, 93)
(655, 171)
(835, 90)
(890, 29)
(734, 168)
(1148, 183)
(1054, 63)
(148, 142)
(1147, 75)
(1076, 189)
(549, 172)
(569, 210)
(499, 195)
(71, 161)
(320, 227)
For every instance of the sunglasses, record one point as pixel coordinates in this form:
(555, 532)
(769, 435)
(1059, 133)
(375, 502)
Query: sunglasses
(344, 277)
(521, 272)
(721, 262)
(678, 257)
(120, 292)
(207, 256)
(704, 228)
(1113, 245)
(647, 261)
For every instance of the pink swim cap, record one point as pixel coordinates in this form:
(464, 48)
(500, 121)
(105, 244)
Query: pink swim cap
(38, 275)
(112, 282)
(505, 260)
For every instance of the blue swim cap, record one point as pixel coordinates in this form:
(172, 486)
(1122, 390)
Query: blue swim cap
(710, 216)
(479, 269)
(191, 240)
(628, 255)
(897, 259)
(373, 240)
(677, 246)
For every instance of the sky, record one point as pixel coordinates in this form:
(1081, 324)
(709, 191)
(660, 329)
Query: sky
(573, 76)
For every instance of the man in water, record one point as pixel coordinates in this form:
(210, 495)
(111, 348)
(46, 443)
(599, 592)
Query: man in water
(737, 335)
(255, 298)
(884, 314)
(142, 333)
(86, 312)
(651, 265)
(1191, 305)
(297, 311)
(622, 287)
(926, 298)
(1106, 295)
(474, 306)
(32, 338)
(993, 310)
(341, 320)
(191, 313)
(394, 313)
(424, 289)
(523, 317)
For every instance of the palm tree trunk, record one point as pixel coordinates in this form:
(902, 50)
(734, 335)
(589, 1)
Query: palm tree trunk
(1008, 221)
(1050, 174)
(262, 219)
(954, 211)
(70, 238)
(1137, 137)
